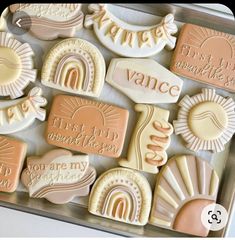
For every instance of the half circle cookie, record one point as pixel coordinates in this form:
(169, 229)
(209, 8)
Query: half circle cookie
(76, 66)
(121, 194)
(48, 21)
(206, 121)
(184, 187)
(16, 66)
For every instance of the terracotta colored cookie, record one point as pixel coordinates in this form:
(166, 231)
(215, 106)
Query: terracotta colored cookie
(48, 21)
(76, 66)
(130, 40)
(58, 176)
(205, 55)
(150, 139)
(185, 185)
(144, 80)
(21, 113)
(87, 126)
(206, 121)
(123, 195)
(16, 66)
(12, 155)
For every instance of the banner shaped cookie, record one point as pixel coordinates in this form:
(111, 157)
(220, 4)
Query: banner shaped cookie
(130, 40)
(206, 121)
(58, 176)
(185, 186)
(16, 115)
(87, 126)
(76, 66)
(205, 55)
(123, 195)
(150, 139)
(144, 80)
(16, 66)
(12, 155)
(48, 21)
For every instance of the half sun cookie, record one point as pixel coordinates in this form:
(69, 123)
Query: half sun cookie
(185, 186)
(123, 195)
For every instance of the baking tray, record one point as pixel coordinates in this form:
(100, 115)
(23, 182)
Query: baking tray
(76, 211)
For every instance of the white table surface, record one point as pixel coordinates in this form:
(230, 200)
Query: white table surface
(18, 224)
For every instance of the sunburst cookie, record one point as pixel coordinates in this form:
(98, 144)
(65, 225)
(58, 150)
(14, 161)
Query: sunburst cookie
(76, 66)
(184, 187)
(206, 121)
(16, 66)
(123, 195)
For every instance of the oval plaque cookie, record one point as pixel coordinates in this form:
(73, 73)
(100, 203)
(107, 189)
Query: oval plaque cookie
(206, 121)
(16, 66)
(144, 80)
(76, 66)
(130, 40)
(48, 21)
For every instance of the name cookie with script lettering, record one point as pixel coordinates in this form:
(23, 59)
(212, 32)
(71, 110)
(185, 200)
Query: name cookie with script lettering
(12, 155)
(206, 121)
(48, 21)
(87, 126)
(16, 66)
(130, 40)
(150, 139)
(76, 66)
(205, 55)
(16, 115)
(144, 80)
(58, 176)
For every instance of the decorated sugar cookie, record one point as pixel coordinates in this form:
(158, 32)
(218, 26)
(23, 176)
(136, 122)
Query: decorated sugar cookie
(150, 139)
(206, 121)
(76, 66)
(58, 176)
(130, 40)
(12, 155)
(16, 66)
(3, 19)
(123, 195)
(185, 185)
(16, 115)
(48, 21)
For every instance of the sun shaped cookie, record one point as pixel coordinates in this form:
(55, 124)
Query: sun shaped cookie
(185, 185)
(16, 66)
(121, 194)
(206, 121)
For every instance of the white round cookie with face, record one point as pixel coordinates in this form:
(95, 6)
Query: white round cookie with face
(206, 121)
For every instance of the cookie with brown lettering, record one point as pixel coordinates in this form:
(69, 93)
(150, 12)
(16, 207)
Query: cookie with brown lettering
(123, 195)
(205, 55)
(12, 155)
(150, 139)
(185, 186)
(58, 176)
(87, 126)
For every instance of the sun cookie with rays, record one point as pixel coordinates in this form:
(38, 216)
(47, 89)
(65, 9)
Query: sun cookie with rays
(16, 66)
(206, 121)
(87, 126)
(185, 185)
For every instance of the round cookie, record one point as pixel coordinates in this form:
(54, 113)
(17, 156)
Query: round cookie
(206, 121)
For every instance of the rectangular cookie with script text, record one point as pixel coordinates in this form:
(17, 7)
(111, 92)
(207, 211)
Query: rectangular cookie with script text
(87, 126)
(205, 55)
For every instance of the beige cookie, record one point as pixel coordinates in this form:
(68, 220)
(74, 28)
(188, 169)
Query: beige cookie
(150, 139)
(123, 195)
(185, 185)
(206, 121)
(12, 155)
(58, 176)
(76, 66)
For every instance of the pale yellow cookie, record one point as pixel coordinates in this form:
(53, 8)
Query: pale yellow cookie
(150, 139)
(123, 195)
